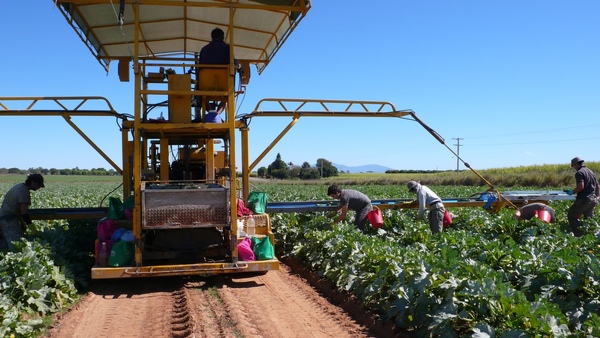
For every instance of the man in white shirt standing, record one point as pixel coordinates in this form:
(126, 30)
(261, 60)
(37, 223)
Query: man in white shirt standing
(426, 196)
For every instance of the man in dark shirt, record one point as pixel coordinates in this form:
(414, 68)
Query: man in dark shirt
(353, 200)
(587, 191)
(528, 211)
(216, 52)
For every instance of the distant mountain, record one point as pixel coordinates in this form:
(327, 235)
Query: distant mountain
(375, 168)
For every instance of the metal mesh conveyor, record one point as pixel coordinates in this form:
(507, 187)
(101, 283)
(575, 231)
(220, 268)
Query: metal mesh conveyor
(176, 206)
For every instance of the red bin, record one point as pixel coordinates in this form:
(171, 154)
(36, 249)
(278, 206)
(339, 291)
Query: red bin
(543, 215)
(447, 221)
(375, 217)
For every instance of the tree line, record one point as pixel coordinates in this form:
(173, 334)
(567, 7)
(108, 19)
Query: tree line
(280, 170)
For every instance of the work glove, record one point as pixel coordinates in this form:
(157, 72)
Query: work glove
(26, 219)
(569, 192)
(27, 224)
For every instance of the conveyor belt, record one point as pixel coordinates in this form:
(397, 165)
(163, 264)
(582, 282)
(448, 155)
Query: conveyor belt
(282, 207)
(68, 213)
(546, 195)
(518, 198)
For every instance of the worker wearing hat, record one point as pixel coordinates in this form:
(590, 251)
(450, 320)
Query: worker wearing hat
(426, 196)
(15, 209)
(587, 191)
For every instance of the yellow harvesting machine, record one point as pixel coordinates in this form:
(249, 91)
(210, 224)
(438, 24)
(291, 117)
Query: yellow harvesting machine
(178, 154)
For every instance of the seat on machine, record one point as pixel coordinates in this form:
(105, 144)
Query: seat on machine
(212, 80)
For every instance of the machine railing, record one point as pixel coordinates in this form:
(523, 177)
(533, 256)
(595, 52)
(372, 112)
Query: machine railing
(56, 106)
(65, 107)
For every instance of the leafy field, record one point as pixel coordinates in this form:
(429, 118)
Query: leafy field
(486, 276)
(541, 176)
(51, 267)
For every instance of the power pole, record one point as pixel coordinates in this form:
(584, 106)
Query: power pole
(457, 144)
(321, 167)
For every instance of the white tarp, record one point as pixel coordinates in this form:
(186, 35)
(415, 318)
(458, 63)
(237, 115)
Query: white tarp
(176, 27)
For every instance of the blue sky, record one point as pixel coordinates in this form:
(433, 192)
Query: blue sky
(516, 81)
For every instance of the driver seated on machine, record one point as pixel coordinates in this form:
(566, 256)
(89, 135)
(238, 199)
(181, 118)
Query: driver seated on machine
(216, 52)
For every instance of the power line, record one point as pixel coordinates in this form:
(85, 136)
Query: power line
(531, 132)
(520, 142)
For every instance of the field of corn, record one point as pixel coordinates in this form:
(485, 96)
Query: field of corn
(485, 276)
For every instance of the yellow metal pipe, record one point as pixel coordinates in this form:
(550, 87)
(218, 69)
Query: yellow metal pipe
(91, 143)
(274, 142)
(184, 269)
(164, 159)
(127, 165)
(209, 155)
(57, 99)
(137, 195)
(245, 163)
(230, 141)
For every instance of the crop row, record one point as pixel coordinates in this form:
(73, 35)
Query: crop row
(486, 276)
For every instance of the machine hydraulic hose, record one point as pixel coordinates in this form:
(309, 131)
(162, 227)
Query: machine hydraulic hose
(443, 142)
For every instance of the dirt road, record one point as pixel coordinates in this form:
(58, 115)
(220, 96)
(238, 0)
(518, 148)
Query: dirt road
(284, 303)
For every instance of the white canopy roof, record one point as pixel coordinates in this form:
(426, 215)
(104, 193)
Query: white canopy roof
(180, 27)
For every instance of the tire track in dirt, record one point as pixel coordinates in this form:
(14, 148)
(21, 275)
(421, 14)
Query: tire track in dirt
(278, 304)
(129, 308)
(211, 316)
(182, 322)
